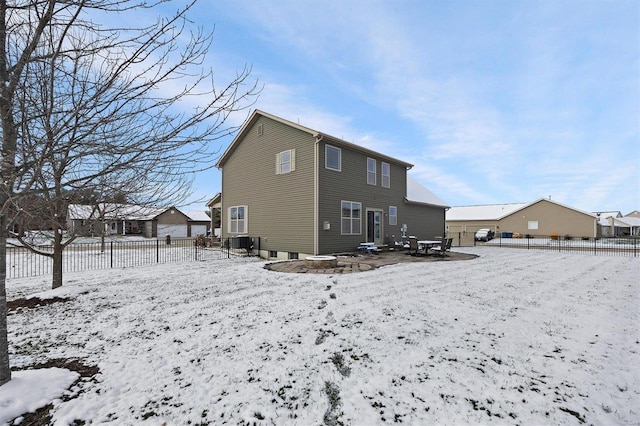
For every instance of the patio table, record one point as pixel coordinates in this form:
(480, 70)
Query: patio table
(427, 244)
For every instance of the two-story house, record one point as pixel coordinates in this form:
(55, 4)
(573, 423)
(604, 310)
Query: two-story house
(306, 193)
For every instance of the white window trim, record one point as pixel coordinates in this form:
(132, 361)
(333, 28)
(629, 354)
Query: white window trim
(245, 220)
(388, 175)
(372, 173)
(351, 218)
(394, 217)
(532, 224)
(326, 166)
(292, 161)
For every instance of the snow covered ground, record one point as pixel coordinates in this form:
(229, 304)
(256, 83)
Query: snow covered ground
(514, 336)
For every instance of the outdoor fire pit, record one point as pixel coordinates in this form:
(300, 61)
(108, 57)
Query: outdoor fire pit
(320, 262)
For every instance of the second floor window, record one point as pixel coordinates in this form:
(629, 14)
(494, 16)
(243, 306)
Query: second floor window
(386, 175)
(238, 219)
(285, 161)
(371, 171)
(333, 158)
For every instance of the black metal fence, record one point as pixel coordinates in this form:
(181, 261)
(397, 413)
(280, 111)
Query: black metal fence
(602, 246)
(122, 253)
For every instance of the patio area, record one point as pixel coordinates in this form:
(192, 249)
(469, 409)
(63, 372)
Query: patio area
(351, 263)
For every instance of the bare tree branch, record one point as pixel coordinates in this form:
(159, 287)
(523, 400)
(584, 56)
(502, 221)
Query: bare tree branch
(91, 108)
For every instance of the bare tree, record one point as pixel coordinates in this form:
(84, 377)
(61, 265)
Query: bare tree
(85, 106)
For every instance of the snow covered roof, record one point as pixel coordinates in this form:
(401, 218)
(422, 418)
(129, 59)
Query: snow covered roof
(609, 214)
(417, 193)
(484, 212)
(112, 211)
(497, 211)
(197, 215)
(631, 220)
(621, 222)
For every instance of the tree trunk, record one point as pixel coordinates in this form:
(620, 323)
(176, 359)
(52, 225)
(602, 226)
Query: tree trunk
(102, 240)
(57, 259)
(5, 369)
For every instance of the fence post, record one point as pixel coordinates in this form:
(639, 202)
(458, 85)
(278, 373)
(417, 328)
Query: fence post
(157, 250)
(111, 252)
(196, 249)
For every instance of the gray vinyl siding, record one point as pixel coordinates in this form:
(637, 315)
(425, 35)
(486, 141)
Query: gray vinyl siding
(424, 222)
(350, 184)
(280, 207)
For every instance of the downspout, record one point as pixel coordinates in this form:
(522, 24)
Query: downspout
(316, 193)
(444, 234)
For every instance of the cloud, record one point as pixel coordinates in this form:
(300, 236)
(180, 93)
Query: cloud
(506, 104)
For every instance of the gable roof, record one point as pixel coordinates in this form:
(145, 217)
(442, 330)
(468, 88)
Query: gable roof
(630, 220)
(483, 212)
(622, 222)
(215, 201)
(314, 133)
(497, 211)
(416, 193)
(608, 214)
(197, 216)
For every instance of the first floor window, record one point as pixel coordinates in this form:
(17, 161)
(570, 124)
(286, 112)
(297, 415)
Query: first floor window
(533, 224)
(351, 218)
(393, 215)
(238, 219)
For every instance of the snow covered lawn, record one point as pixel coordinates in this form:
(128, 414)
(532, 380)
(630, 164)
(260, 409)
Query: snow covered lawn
(513, 336)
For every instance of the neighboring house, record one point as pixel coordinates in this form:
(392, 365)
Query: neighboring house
(613, 224)
(128, 219)
(215, 213)
(541, 217)
(609, 224)
(198, 223)
(303, 192)
(630, 226)
(633, 220)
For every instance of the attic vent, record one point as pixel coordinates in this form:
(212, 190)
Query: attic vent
(260, 129)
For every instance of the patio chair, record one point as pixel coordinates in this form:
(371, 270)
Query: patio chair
(413, 246)
(442, 249)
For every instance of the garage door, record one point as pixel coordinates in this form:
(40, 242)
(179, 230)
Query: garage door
(176, 231)
(198, 230)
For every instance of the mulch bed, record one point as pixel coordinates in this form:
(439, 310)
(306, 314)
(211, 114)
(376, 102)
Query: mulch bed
(42, 415)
